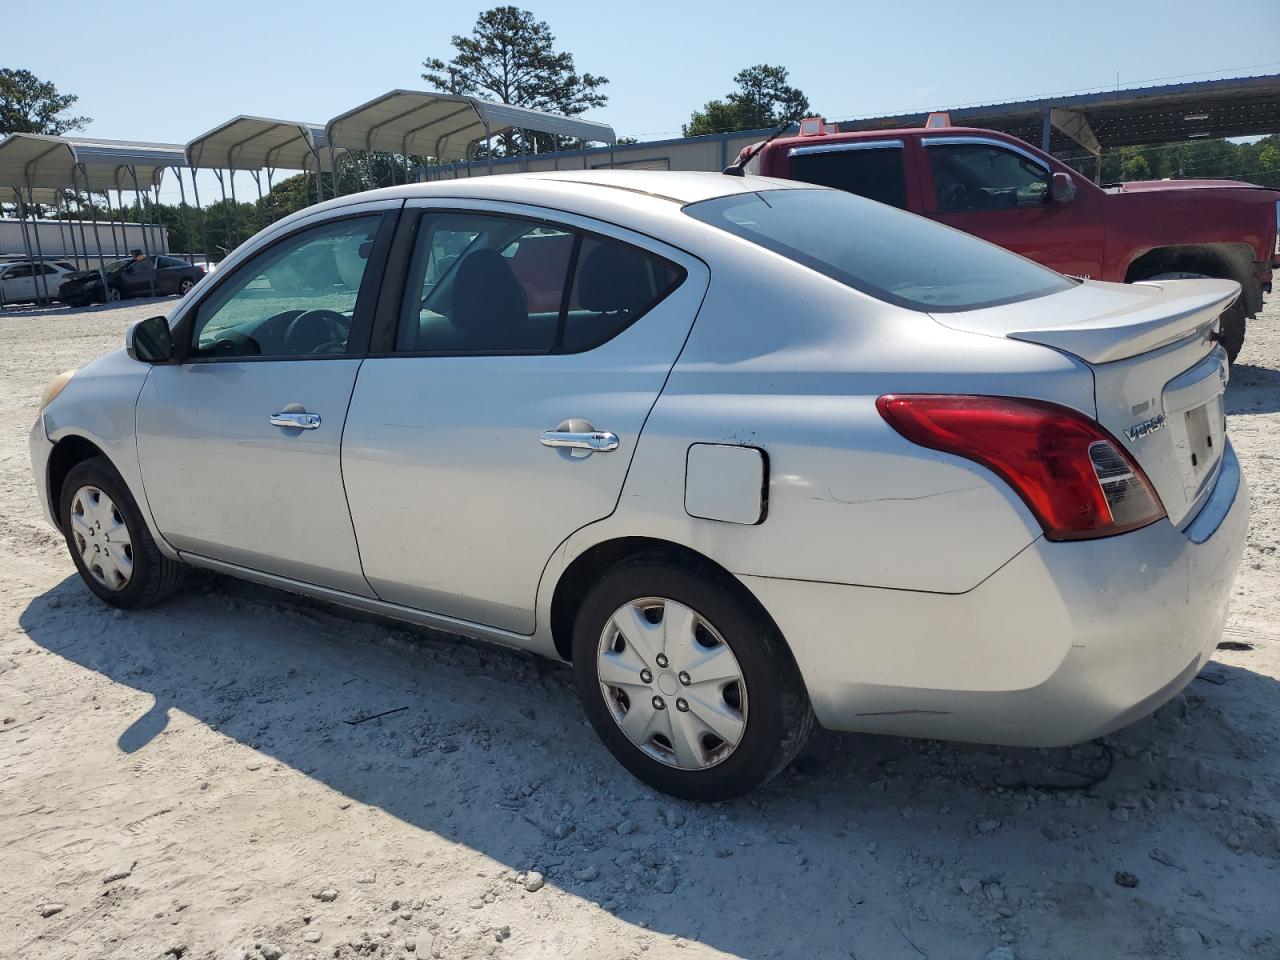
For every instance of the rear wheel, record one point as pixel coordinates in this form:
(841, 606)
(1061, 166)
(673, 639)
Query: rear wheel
(1231, 326)
(109, 541)
(114, 295)
(688, 685)
(185, 285)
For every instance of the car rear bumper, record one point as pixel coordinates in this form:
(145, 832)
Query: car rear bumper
(1064, 643)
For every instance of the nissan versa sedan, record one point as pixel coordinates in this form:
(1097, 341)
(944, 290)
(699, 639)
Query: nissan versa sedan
(749, 454)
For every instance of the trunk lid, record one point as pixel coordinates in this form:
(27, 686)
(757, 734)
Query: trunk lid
(1158, 375)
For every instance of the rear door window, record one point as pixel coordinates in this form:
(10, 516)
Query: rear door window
(486, 284)
(874, 172)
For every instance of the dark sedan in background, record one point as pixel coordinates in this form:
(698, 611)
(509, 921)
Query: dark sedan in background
(137, 277)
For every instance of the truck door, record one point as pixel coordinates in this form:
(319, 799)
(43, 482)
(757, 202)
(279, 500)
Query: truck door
(994, 190)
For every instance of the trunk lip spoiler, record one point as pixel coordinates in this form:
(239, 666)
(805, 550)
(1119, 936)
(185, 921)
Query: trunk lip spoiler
(1173, 317)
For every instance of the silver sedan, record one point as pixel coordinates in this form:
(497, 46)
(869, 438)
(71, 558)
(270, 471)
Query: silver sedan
(749, 454)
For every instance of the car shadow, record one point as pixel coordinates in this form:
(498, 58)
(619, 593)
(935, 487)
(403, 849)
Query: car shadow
(1252, 389)
(867, 846)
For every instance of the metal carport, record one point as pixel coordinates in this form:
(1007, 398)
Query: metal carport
(254, 144)
(31, 162)
(444, 126)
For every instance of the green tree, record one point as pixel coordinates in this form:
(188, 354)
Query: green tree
(764, 98)
(511, 57)
(31, 105)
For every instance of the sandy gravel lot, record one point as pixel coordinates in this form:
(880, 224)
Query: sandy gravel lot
(183, 782)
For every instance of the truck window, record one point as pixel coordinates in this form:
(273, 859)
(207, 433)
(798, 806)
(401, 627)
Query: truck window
(979, 176)
(873, 172)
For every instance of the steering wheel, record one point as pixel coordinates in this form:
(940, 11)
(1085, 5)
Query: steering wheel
(317, 331)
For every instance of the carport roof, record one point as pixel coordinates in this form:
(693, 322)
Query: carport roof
(1232, 107)
(256, 143)
(29, 160)
(444, 125)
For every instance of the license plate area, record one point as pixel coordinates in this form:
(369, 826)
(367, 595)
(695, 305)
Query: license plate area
(1199, 437)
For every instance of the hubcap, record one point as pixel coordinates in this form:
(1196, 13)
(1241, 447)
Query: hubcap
(102, 538)
(652, 650)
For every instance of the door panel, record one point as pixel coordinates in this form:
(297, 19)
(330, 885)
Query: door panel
(223, 482)
(456, 503)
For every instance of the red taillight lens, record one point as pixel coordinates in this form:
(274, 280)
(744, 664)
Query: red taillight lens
(1073, 475)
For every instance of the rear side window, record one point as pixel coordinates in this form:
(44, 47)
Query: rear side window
(876, 173)
(485, 284)
(894, 256)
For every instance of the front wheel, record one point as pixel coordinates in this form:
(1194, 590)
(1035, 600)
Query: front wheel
(688, 685)
(114, 295)
(185, 285)
(109, 541)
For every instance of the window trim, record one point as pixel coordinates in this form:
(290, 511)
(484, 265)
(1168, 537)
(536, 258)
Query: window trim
(362, 318)
(846, 146)
(391, 299)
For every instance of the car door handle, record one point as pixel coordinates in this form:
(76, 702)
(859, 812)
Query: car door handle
(597, 441)
(298, 421)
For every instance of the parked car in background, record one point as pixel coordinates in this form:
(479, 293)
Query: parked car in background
(746, 452)
(25, 282)
(135, 277)
(1004, 190)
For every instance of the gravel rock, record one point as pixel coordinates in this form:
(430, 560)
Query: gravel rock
(1210, 801)
(1126, 879)
(270, 951)
(587, 873)
(969, 885)
(119, 872)
(533, 881)
(49, 909)
(988, 826)
(312, 936)
(327, 895)
(1001, 953)
(1188, 937)
(666, 880)
(626, 827)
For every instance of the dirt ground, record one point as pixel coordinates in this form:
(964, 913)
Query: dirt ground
(187, 781)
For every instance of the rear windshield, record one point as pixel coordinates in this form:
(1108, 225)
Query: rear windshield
(894, 256)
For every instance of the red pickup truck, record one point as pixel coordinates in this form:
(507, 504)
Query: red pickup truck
(1006, 191)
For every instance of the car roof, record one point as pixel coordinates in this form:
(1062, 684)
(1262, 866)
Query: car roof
(610, 186)
(888, 133)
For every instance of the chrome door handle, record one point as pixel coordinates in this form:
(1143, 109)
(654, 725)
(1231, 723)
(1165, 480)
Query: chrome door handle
(597, 441)
(298, 421)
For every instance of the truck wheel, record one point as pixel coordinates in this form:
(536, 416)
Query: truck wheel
(1231, 326)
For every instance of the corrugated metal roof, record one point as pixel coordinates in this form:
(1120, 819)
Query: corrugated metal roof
(256, 143)
(29, 160)
(444, 125)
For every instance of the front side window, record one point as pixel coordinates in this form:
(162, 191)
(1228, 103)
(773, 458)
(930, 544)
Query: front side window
(297, 298)
(485, 284)
(894, 256)
(876, 173)
(976, 176)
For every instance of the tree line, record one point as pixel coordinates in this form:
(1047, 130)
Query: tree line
(511, 57)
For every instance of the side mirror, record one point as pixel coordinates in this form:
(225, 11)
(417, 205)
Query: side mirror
(1062, 189)
(150, 341)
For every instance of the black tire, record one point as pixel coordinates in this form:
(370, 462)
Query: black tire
(184, 286)
(1231, 329)
(154, 575)
(779, 718)
(1231, 326)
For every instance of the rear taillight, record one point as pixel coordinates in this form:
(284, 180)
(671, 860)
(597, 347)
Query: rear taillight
(1074, 476)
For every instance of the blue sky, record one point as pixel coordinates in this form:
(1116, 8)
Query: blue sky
(192, 67)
